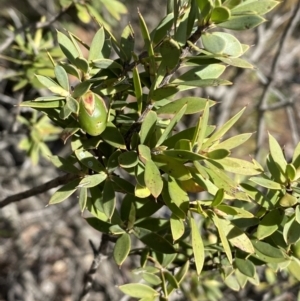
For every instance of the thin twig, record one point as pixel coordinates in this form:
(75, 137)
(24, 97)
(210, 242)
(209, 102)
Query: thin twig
(100, 254)
(38, 25)
(263, 100)
(38, 189)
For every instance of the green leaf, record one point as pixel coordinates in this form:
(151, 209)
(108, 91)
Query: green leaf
(267, 253)
(171, 125)
(164, 92)
(52, 85)
(172, 167)
(162, 28)
(109, 199)
(153, 240)
(99, 225)
(148, 43)
(148, 127)
(193, 105)
(122, 248)
(236, 62)
(70, 69)
(153, 178)
(106, 64)
(220, 14)
(222, 180)
(171, 279)
(201, 129)
(265, 182)
(113, 162)
(151, 279)
(242, 22)
(170, 53)
(50, 97)
(260, 7)
(97, 45)
(116, 230)
(171, 203)
(246, 267)
(144, 153)
(185, 134)
(88, 160)
(198, 247)
(178, 195)
(213, 43)
(277, 153)
(137, 89)
(128, 159)
(82, 198)
(138, 290)
(218, 198)
(64, 192)
(296, 156)
(233, 141)
(67, 47)
(122, 185)
(233, 47)
(177, 227)
(202, 4)
(93, 180)
(290, 172)
(72, 104)
(270, 223)
(64, 164)
(82, 64)
(297, 214)
(288, 200)
(236, 236)
(112, 136)
(183, 155)
(127, 43)
(180, 275)
(218, 154)
(276, 174)
(209, 82)
(293, 233)
(223, 237)
(239, 166)
(43, 104)
(81, 89)
(223, 130)
(65, 112)
(293, 269)
(62, 77)
(201, 72)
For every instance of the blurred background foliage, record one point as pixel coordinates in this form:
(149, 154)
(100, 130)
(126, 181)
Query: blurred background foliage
(44, 253)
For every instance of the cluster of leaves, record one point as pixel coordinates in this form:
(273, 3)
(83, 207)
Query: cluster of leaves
(87, 9)
(121, 118)
(28, 56)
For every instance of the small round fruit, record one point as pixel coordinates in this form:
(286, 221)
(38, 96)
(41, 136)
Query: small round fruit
(92, 114)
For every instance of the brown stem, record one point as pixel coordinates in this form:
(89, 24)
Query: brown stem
(38, 189)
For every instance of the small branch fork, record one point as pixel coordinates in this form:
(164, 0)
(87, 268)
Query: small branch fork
(264, 97)
(100, 254)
